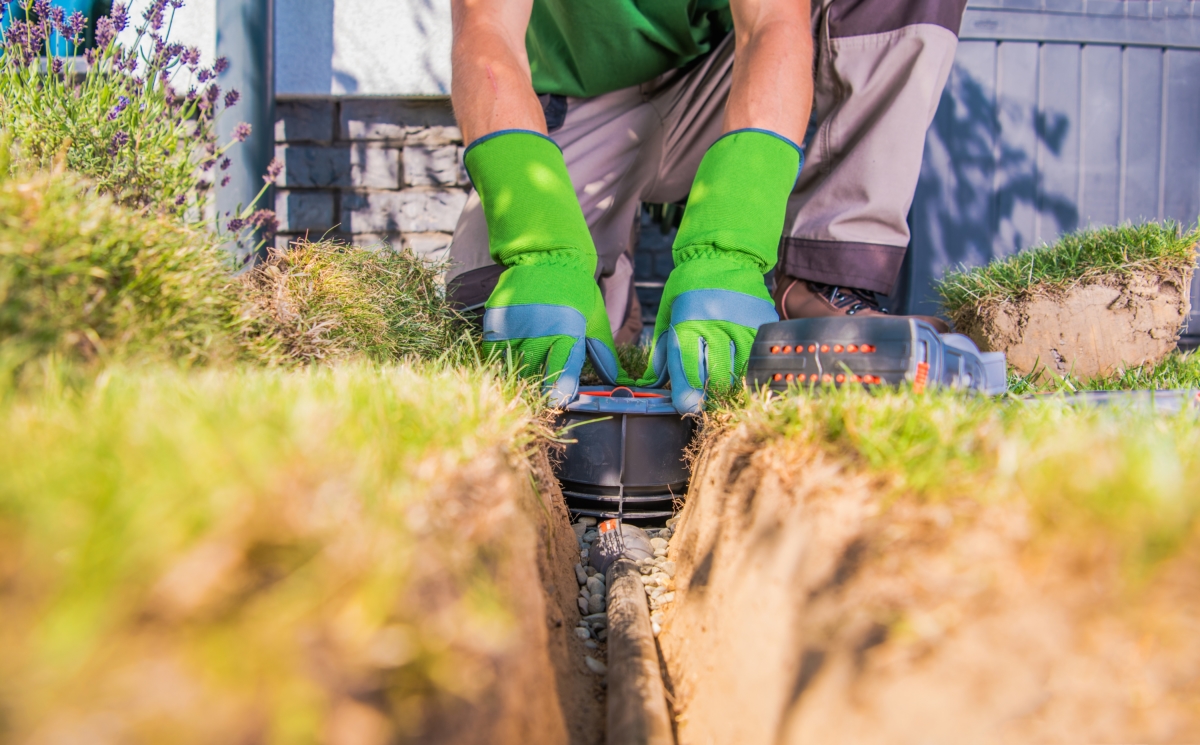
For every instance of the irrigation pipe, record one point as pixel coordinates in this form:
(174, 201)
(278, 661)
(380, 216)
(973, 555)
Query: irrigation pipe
(637, 706)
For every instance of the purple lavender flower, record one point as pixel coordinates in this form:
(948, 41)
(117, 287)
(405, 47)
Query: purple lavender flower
(191, 58)
(76, 25)
(42, 8)
(119, 140)
(192, 94)
(58, 20)
(235, 225)
(205, 75)
(225, 163)
(154, 14)
(212, 93)
(25, 39)
(90, 56)
(274, 168)
(231, 99)
(242, 132)
(221, 65)
(122, 103)
(208, 164)
(106, 31)
(119, 16)
(265, 220)
(225, 181)
(210, 148)
(181, 200)
(57, 66)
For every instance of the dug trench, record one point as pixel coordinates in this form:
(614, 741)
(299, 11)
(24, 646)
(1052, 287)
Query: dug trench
(795, 603)
(806, 609)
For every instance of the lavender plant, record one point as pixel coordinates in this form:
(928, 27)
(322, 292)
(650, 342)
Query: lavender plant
(138, 122)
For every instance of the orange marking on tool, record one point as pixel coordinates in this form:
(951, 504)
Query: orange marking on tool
(922, 377)
(837, 348)
(775, 349)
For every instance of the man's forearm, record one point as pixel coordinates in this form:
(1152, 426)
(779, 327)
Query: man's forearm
(492, 89)
(773, 67)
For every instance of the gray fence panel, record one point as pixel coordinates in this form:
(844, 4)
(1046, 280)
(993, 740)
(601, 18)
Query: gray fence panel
(1059, 114)
(1100, 129)
(1141, 197)
(1182, 188)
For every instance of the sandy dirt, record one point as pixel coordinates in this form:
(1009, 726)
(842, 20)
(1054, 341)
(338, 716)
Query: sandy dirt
(580, 695)
(807, 612)
(1089, 330)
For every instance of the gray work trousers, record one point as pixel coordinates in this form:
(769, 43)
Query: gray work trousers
(879, 72)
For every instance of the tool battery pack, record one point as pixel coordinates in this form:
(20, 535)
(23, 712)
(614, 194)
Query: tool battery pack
(870, 352)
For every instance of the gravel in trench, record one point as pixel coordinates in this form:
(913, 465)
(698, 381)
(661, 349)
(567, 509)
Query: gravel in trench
(658, 578)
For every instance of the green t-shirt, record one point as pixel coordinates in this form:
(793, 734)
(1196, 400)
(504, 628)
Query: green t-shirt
(589, 47)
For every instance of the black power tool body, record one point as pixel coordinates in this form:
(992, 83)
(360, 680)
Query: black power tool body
(870, 351)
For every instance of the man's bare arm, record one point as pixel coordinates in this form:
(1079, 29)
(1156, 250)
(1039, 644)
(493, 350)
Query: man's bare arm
(773, 67)
(493, 88)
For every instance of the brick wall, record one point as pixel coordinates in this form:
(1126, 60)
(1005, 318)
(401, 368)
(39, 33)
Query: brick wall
(375, 170)
(370, 170)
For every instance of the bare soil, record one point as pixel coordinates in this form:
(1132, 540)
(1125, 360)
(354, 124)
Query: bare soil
(1095, 328)
(807, 611)
(542, 692)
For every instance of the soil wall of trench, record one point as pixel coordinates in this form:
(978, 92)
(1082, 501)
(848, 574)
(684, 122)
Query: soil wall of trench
(807, 611)
(541, 692)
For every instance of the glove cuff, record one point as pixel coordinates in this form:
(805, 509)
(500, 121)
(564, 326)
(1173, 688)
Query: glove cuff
(739, 198)
(528, 201)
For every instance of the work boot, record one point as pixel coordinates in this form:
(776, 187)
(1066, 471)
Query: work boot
(798, 298)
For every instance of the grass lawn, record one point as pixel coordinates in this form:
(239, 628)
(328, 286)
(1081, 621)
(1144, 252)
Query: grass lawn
(1159, 247)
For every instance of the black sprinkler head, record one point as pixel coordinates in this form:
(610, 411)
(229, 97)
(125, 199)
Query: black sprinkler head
(627, 459)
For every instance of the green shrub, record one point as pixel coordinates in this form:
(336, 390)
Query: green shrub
(86, 279)
(325, 301)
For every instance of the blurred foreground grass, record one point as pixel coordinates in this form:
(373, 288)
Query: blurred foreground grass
(198, 557)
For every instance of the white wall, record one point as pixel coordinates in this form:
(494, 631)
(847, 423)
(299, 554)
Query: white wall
(339, 47)
(362, 47)
(195, 25)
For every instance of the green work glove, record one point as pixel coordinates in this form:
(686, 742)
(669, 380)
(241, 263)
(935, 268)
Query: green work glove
(715, 298)
(546, 308)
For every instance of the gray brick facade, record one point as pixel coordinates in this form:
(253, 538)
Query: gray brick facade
(369, 171)
(390, 170)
